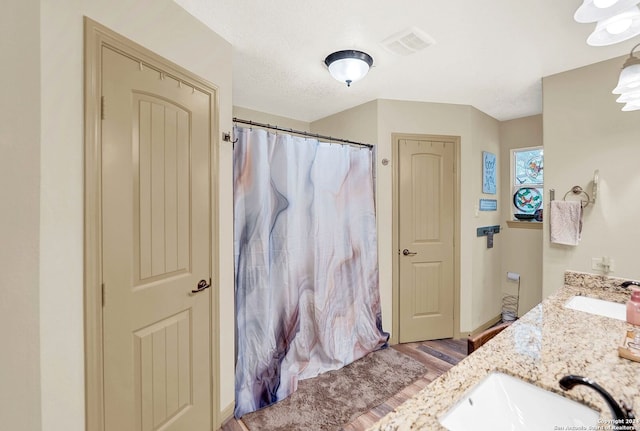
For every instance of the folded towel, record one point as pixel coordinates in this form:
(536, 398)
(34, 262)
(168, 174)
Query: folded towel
(565, 222)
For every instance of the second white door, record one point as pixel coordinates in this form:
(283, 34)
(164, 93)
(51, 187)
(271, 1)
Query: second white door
(426, 238)
(156, 229)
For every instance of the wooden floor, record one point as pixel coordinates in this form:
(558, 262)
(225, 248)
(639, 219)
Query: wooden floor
(437, 355)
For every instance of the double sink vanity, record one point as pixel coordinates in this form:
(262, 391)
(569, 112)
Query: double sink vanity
(512, 382)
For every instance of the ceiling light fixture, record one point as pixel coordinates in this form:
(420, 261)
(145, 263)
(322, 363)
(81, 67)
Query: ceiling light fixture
(598, 10)
(349, 66)
(629, 83)
(617, 20)
(616, 29)
(604, 3)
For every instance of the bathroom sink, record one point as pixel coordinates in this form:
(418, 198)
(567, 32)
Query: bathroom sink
(502, 402)
(598, 306)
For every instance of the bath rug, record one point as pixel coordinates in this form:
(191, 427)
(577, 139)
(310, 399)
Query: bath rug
(333, 399)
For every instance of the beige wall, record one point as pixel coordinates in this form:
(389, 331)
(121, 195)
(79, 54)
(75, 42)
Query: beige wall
(479, 289)
(585, 130)
(356, 124)
(420, 118)
(19, 218)
(183, 40)
(486, 290)
(274, 120)
(516, 250)
(522, 248)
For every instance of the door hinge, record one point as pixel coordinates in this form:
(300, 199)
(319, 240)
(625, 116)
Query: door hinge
(102, 107)
(102, 293)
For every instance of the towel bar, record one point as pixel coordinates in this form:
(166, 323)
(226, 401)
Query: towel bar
(577, 190)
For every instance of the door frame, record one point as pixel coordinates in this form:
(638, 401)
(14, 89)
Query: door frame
(395, 160)
(95, 37)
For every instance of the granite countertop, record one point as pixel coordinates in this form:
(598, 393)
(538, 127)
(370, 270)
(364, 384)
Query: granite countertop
(545, 344)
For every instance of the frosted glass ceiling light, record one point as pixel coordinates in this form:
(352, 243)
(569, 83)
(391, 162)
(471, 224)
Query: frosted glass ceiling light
(616, 29)
(629, 83)
(631, 107)
(604, 3)
(633, 96)
(629, 79)
(598, 10)
(349, 66)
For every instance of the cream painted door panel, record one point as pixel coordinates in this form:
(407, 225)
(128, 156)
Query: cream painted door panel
(426, 228)
(156, 248)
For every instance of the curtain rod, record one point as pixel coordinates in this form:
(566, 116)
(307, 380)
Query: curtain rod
(299, 132)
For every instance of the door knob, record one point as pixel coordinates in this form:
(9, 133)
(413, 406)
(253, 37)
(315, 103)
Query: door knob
(202, 285)
(408, 253)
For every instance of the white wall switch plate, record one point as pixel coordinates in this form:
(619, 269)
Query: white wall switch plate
(599, 264)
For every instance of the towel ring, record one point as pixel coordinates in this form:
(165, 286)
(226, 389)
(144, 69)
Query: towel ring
(577, 190)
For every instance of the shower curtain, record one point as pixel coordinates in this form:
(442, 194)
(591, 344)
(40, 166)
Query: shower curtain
(307, 298)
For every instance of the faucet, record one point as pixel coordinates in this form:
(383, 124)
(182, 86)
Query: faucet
(629, 283)
(623, 414)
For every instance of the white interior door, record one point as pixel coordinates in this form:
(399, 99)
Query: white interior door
(426, 239)
(156, 224)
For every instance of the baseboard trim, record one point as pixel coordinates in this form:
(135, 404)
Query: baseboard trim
(226, 414)
(486, 325)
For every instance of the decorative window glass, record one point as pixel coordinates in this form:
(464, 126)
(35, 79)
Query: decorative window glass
(528, 166)
(527, 181)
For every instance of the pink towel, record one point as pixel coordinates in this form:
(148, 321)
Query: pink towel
(565, 222)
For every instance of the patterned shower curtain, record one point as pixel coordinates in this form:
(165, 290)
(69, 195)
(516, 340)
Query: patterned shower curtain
(307, 298)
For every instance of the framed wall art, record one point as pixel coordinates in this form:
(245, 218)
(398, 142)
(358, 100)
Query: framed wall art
(488, 205)
(488, 173)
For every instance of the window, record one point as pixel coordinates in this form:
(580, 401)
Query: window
(527, 183)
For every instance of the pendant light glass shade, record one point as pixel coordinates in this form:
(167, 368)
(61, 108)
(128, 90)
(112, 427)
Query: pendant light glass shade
(604, 3)
(631, 106)
(616, 29)
(633, 96)
(598, 10)
(348, 66)
(629, 80)
(629, 83)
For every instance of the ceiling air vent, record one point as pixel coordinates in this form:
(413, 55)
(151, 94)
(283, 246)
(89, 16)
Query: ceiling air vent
(408, 41)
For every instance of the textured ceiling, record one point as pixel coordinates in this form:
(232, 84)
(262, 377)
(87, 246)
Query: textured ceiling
(490, 54)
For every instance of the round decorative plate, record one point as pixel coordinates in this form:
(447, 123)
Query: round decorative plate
(527, 199)
(534, 169)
